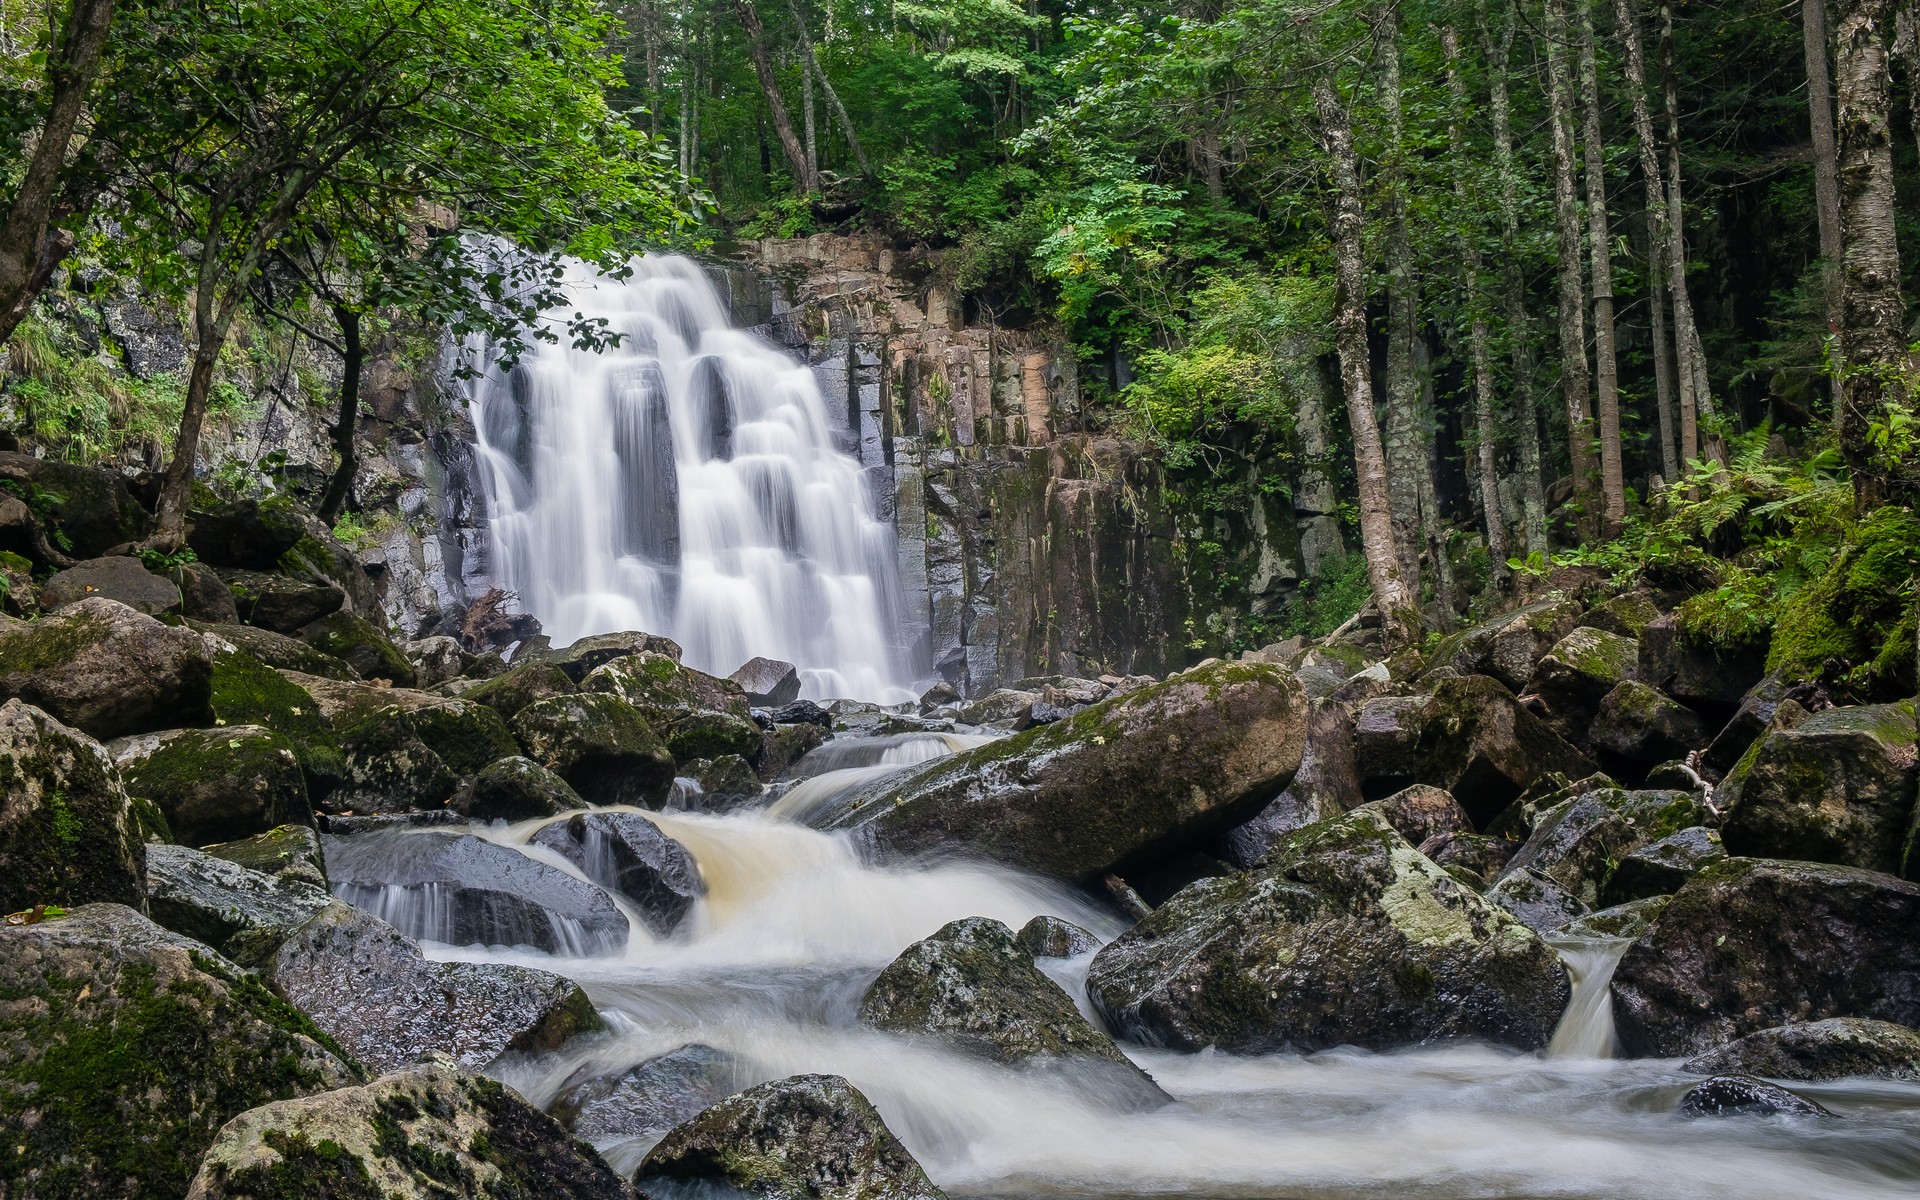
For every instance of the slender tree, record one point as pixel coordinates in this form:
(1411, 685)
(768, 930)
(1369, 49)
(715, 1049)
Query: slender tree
(1826, 169)
(1690, 367)
(1606, 362)
(1574, 377)
(1626, 18)
(839, 110)
(790, 146)
(1406, 440)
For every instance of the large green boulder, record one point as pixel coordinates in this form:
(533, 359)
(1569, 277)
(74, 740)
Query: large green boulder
(1838, 787)
(124, 1048)
(1481, 745)
(216, 785)
(811, 1137)
(248, 533)
(405, 750)
(520, 685)
(1580, 841)
(599, 744)
(362, 645)
(1584, 666)
(1638, 728)
(1350, 937)
(68, 835)
(515, 789)
(90, 507)
(281, 603)
(1139, 776)
(1510, 646)
(248, 692)
(430, 1132)
(699, 715)
(279, 650)
(1751, 943)
(107, 670)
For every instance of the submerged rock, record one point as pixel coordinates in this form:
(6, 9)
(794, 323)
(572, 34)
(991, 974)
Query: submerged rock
(1478, 743)
(107, 670)
(515, 789)
(1351, 937)
(810, 1137)
(427, 1133)
(1837, 1048)
(599, 744)
(124, 1048)
(216, 785)
(241, 913)
(628, 854)
(1051, 937)
(1745, 1096)
(1752, 943)
(647, 1099)
(1147, 773)
(373, 991)
(68, 834)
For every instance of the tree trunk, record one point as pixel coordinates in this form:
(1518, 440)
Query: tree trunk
(1406, 435)
(1606, 361)
(1690, 360)
(1316, 503)
(806, 112)
(1399, 608)
(1872, 331)
(1626, 17)
(790, 146)
(27, 253)
(1906, 46)
(1826, 170)
(1573, 328)
(1479, 356)
(1526, 419)
(353, 357)
(838, 109)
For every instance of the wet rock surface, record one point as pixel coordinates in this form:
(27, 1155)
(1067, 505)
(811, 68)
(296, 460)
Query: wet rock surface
(1744, 1096)
(649, 1098)
(1662, 867)
(68, 833)
(370, 987)
(600, 745)
(1478, 743)
(1637, 728)
(403, 749)
(107, 670)
(288, 852)
(1818, 1051)
(809, 1136)
(242, 913)
(216, 785)
(425, 1133)
(628, 854)
(697, 715)
(515, 789)
(1421, 812)
(1579, 842)
(1051, 937)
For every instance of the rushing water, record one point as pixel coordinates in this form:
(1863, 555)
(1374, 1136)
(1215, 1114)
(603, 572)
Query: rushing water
(688, 482)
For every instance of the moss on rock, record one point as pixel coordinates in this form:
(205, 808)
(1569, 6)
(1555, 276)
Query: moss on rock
(599, 744)
(358, 643)
(68, 834)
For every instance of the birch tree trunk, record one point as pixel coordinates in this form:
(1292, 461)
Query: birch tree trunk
(1690, 370)
(1405, 436)
(834, 106)
(1626, 17)
(1574, 379)
(1606, 363)
(1826, 170)
(806, 114)
(1399, 607)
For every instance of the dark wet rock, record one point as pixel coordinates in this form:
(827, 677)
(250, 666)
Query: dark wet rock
(1838, 787)
(649, 1098)
(1626, 614)
(124, 1048)
(785, 745)
(360, 644)
(279, 602)
(435, 660)
(520, 685)
(465, 890)
(725, 783)
(404, 1137)
(1819, 1051)
(1759, 709)
(1386, 743)
(350, 824)
(972, 987)
(628, 854)
(1538, 901)
(768, 682)
(587, 655)
(369, 986)
(1694, 673)
(1051, 937)
(403, 749)
(1002, 708)
(248, 534)
(107, 670)
(120, 578)
(286, 852)
(1637, 727)
(1421, 812)
(1745, 1096)
(514, 789)
(1510, 646)
(1480, 856)
(1751, 943)
(1352, 937)
(1662, 867)
(204, 596)
(1516, 821)
(1584, 666)
(1478, 743)
(697, 715)
(68, 834)
(280, 650)
(801, 712)
(1326, 785)
(216, 785)
(91, 506)
(240, 912)
(1629, 920)
(599, 744)
(810, 1137)
(1143, 775)
(1578, 842)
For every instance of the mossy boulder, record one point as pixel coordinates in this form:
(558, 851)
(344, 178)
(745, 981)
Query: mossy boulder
(1858, 616)
(1130, 779)
(725, 783)
(428, 1132)
(599, 744)
(370, 987)
(1819, 1051)
(514, 789)
(281, 651)
(784, 745)
(124, 1048)
(1326, 785)
(1753, 943)
(216, 785)
(1350, 937)
(1386, 744)
(1477, 857)
(91, 506)
(810, 1137)
(1051, 937)
(699, 715)
(405, 750)
(1478, 743)
(240, 912)
(107, 670)
(1838, 787)
(1638, 727)
(627, 854)
(281, 603)
(357, 642)
(1584, 666)
(1579, 842)
(248, 534)
(322, 558)
(68, 835)
(436, 659)
(971, 986)
(118, 578)
(285, 852)
(520, 685)
(1662, 867)
(1626, 614)
(1694, 671)
(1510, 646)
(248, 692)
(588, 654)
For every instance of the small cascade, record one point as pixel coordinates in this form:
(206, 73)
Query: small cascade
(1586, 1029)
(834, 771)
(688, 482)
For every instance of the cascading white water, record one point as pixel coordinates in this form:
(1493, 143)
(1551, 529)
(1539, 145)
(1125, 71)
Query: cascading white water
(687, 482)
(1586, 1028)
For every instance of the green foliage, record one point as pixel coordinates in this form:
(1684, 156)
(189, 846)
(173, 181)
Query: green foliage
(782, 217)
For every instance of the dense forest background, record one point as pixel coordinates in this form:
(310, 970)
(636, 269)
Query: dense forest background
(1508, 285)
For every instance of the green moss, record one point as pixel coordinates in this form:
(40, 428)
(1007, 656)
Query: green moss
(1854, 623)
(303, 1170)
(354, 640)
(466, 736)
(49, 642)
(248, 692)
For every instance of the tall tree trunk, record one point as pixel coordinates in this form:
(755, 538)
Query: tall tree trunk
(1626, 17)
(1479, 356)
(28, 254)
(796, 155)
(1399, 607)
(1688, 363)
(1826, 169)
(1533, 498)
(353, 358)
(1606, 361)
(1316, 503)
(1574, 379)
(806, 111)
(650, 32)
(838, 109)
(1872, 333)
(1906, 46)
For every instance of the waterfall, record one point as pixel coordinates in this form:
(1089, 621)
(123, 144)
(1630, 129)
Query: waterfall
(687, 482)
(1586, 1029)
